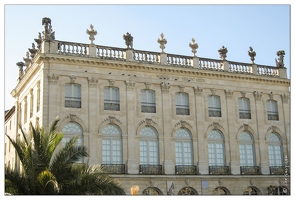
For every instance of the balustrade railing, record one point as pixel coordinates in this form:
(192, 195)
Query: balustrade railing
(219, 170)
(210, 64)
(150, 169)
(186, 169)
(114, 168)
(70, 48)
(267, 71)
(250, 170)
(146, 56)
(115, 53)
(177, 60)
(237, 67)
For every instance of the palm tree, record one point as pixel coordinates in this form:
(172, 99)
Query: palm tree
(49, 170)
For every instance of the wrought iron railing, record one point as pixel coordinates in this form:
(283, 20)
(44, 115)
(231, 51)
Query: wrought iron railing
(219, 170)
(186, 169)
(111, 105)
(114, 168)
(214, 112)
(148, 108)
(250, 170)
(244, 114)
(73, 104)
(279, 170)
(150, 169)
(273, 116)
(182, 111)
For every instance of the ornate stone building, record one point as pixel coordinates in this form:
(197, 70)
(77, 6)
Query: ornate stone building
(169, 124)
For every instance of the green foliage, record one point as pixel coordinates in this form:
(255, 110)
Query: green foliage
(49, 168)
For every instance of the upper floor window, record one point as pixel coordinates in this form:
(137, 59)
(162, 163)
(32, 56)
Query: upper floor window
(183, 147)
(272, 110)
(216, 148)
(182, 104)
(149, 147)
(148, 103)
(73, 95)
(70, 130)
(246, 149)
(214, 106)
(275, 150)
(112, 145)
(244, 108)
(111, 98)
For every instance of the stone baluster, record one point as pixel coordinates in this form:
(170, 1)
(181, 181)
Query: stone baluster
(163, 56)
(92, 48)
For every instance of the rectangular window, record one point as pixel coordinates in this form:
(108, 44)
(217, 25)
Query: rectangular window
(214, 106)
(244, 108)
(73, 96)
(272, 110)
(149, 152)
(182, 104)
(148, 104)
(111, 98)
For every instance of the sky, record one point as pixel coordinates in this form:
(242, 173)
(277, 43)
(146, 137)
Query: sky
(264, 27)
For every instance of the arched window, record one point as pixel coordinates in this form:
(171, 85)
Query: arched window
(246, 149)
(72, 95)
(272, 110)
(214, 106)
(275, 150)
(148, 102)
(149, 147)
(182, 104)
(111, 98)
(216, 148)
(251, 190)
(244, 108)
(220, 191)
(70, 130)
(187, 191)
(183, 147)
(112, 145)
(152, 191)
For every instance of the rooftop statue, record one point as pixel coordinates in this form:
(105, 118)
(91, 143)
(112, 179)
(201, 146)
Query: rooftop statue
(48, 35)
(252, 54)
(280, 60)
(91, 33)
(222, 53)
(162, 42)
(128, 40)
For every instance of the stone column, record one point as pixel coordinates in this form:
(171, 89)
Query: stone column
(93, 112)
(233, 159)
(132, 161)
(200, 153)
(169, 165)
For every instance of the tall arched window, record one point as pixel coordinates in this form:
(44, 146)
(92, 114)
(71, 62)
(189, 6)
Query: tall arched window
(148, 102)
(70, 130)
(73, 95)
(149, 147)
(112, 145)
(182, 104)
(275, 150)
(246, 150)
(216, 148)
(214, 106)
(244, 108)
(111, 98)
(272, 110)
(183, 147)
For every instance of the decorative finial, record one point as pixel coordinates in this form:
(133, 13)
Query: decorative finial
(128, 40)
(38, 40)
(280, 61)
(222, 53)
(194, 46)
(48, 35)
(91, 33)
(162, 42)
(33, 50)
(252, 54)
(27, 59)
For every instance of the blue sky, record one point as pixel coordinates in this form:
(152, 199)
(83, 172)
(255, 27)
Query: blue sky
(266, 28)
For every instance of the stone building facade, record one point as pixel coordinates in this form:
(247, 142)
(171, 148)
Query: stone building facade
(170, 124)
